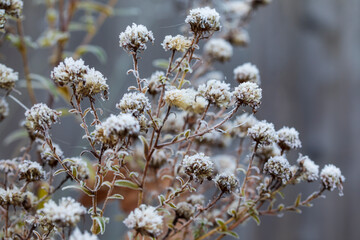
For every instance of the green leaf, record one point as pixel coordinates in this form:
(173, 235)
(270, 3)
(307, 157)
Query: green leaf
(101, 223)
(298, 200)
(170, 204)
(127, 184)
(106, 183)
(116, 196)
(99, 52)
(231, 233)
(221, 224)
(145, 145)
(161, 199)
(83, 189)
(61, 170)
(256, 218)
(281, 194)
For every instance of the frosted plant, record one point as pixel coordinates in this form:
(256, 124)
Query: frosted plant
(180, 151)
(145, 220)
(203, 19)
(8, 77)
(31, 171)
(218, 49)
(198, 166)
(331, 178)
(40, 117)
(135, 37)
(288, 138)
(249, 94)
(177, 43)
(247, 73)
(278, 167)
(226, 182)
(216, 92)
(263, 133)
(134, 103)
(67, 213)
(309, 170)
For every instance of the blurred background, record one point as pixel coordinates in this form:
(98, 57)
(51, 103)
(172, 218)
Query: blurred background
(308, 54)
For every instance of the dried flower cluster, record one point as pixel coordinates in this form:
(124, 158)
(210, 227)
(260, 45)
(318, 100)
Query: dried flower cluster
(182, 150)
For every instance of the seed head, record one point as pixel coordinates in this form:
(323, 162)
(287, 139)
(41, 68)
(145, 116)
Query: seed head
(40, 117)
(309, 170)
(198, 166)
(31, 171)
(203, 20)
(278, 167)
(7, 77)
(185, 210)
(263, 133)
(4, 109)
(288, 138)
(135, 38)
(226, 182)
(218, 49)
(247, 73)
(78, 235)
(216, 92)
(331, 178)
(178, 43)
(248, 94)
(134, 103)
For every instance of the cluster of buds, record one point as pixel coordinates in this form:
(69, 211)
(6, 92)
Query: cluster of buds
(40, 117)
(198, 166)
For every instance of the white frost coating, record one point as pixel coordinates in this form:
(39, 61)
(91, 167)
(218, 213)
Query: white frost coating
(203, 19)
(263, 133)
(198, 166)
(216, 92)
(78, 235)
(177, 43)
(310, 169)
(134, 103)
(331, 178)
(247, 73)
(248, 93)
(288, 138)
(279, 167)
(8, 77)
(135, 37)
(145, 220)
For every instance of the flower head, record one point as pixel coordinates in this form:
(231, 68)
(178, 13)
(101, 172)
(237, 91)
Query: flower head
(145, 220)
(218, 49)
(247, 73)
(8, 166)
(135, 38)
(93, 83)
(309, 170)
(31, 171)
(69, 72)
(186, 99)
(196, 199)
(11, 197)
(216, 92)
(65, 214)
(134, 103)
(225, 163)
(7, 77)
(116, 128)
(288, 138)
(198, 166)
(331, 178)
(278, 167)
(4, 109)
(81, 166)
(78, 235)
(40, 117)
(185, 210)
(155, 81)
(47, 155)
(226, 182)
(12, 7)
(263, 133)
(177, 43)
(248, 93)
(203, 20)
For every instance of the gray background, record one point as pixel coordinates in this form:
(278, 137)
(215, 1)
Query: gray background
(308, 53)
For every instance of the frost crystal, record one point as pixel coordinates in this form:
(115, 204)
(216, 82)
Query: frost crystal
(135, 38)
(331, 178)
(66, 214)
(77, 235)
(310, 171)
(178, 43)
(288, 138)
(248, 93)
(116, 128)
(7, 77)
(40, 117)
(198, 166)
(218, 49)
(4, 109)
(278, 167)
(31, 171)
(145, 220)
(203, 20)
(263, 133)
(216, 92)
(226, 182)
(247, 73)
(134, 103)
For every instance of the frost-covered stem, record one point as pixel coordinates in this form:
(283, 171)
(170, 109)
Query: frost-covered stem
(230, 115)
(198, 127)
(23, 51)
(173, 196)
(161, 98)
(148, 157)
(210, 205)
(92, 105)
(6, 221)
(136, 71)
(242, 192)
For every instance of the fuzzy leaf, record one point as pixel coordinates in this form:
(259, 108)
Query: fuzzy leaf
(127, 184)
(116, 196)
